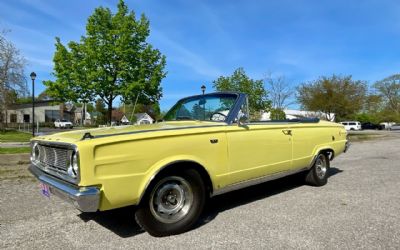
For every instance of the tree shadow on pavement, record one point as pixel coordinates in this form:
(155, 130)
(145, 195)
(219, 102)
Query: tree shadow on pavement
(122, 222)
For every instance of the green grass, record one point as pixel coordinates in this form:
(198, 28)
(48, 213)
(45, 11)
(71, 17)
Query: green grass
(14, 136)
(19, 150)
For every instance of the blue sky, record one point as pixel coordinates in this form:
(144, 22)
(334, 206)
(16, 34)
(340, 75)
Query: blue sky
(202, 40)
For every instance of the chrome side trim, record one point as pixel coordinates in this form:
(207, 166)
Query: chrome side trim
(86, 199)
(156, 130)
(256, 181)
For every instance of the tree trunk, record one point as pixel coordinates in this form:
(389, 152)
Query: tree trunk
(83, 115)
(6, 120)
(62, 106)
(109, 112)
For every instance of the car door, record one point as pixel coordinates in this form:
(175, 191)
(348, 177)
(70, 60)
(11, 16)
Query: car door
(258, 149)
(304, 138)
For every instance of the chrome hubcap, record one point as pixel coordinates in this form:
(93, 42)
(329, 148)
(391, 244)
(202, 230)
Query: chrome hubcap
(171, 199)
(321, 167)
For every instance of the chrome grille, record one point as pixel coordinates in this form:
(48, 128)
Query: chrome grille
(56, 159)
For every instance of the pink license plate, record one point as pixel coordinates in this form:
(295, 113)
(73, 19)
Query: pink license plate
(45, 189)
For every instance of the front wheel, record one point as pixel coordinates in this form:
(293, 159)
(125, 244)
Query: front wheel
(172, 204)
(318, 174)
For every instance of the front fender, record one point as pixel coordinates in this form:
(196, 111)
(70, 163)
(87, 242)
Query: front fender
(164, 164)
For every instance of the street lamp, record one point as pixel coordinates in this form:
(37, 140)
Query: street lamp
(33, 77)
(203, 89)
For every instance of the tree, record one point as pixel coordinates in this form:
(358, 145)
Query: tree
(101, 111)
(342, 96)
(239, 81)
(389, 90)
(277, 114)
(12, 75)
(113, 59)
(279, 90)
(44, 96)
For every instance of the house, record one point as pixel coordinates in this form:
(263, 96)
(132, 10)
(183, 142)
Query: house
(124, 120)
(45, 111)
(143, 118)
(296, 114)
(78, 112)
(118, 117)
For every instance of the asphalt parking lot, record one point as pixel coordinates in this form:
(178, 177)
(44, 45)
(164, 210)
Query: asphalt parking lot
(358, 208)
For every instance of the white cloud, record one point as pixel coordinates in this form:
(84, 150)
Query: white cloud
(37, 61)
(181, 55)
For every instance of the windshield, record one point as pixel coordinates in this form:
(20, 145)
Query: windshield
(204, 108)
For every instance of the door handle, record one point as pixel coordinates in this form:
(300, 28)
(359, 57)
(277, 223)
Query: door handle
(287, 131)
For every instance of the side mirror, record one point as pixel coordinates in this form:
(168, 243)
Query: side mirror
(242, 120)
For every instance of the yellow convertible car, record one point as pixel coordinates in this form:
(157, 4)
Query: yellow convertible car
(205, 146)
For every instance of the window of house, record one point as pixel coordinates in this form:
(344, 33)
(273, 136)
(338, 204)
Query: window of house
(27, 118)
(144, 122)
(51, 115)
(13, 117)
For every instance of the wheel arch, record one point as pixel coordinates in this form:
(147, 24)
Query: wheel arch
(329, 152)
(179, 164)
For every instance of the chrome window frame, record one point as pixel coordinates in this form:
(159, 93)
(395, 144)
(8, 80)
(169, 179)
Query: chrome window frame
(233, 112)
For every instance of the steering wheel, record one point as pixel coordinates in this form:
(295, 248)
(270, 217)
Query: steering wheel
(218, 118)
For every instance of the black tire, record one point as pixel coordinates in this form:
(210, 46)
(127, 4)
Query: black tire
(318, 174)
(172, 204)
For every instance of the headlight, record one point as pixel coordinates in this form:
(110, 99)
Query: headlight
(73, 168)
(35, 154)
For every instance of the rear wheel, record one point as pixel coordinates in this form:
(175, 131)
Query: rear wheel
(172, 204)
(318, 174)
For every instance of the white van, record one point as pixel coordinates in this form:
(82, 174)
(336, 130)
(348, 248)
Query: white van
(351, 125)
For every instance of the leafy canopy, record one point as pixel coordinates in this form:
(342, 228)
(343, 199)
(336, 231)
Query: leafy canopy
(113, 59)
(239, 81)
(336, 94)
(389, 91)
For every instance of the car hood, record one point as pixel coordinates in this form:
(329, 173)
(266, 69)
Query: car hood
(77, 135)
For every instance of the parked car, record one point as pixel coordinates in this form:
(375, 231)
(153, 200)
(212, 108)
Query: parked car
(63, 124)
(387, 125)
(395, 127)
(369, 125)
(351, 125)
(205, 146)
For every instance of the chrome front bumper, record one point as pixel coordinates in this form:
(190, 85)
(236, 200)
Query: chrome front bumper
(86, 199)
